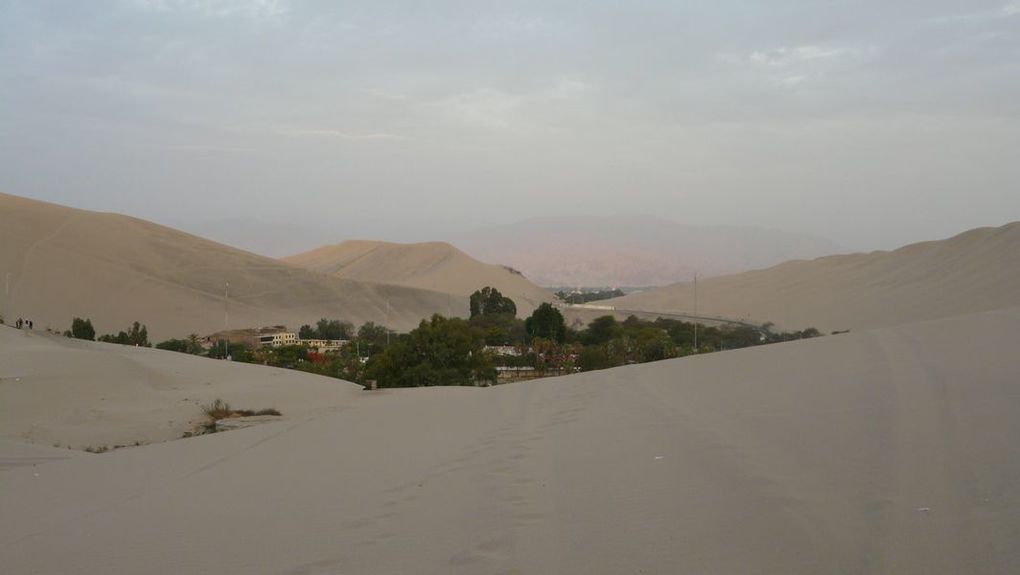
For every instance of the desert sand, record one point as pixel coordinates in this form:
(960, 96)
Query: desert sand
(65, 263)
(80, 394)
(973, 271)
(434, 266)
(887, 451)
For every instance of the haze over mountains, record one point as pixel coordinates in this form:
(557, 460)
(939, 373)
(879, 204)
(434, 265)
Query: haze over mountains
(632, 250)
(563, 251)
(435, 266)
(974, 271)
(65, 263)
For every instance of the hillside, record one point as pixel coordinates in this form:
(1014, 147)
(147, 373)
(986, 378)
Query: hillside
(435, 266)
(632, 250)
(115, 269)
(874, 452)
(973, 271)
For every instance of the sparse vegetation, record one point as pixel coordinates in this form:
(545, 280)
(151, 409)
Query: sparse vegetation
(219, 409)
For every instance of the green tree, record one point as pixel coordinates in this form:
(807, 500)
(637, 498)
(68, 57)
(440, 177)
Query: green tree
(601, 330)
(438, 352)
(594, 357)
(334, 329)
(546, 322)
(327, 329)
(188, 345)
(488, 301)
(654, 344)
(137, 334)
(82, 329)
(371, 332)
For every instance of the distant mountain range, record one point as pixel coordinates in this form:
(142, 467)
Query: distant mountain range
(633, 250)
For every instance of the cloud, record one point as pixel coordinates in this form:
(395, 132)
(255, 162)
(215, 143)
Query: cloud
(794, 66)
(798, 55)
(260, 10)
(1005, 11)
(500, 110)
(509, 27)
(341, 135)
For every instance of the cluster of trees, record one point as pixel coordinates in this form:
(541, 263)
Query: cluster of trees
(445, 351)
(82, 328)
(585, 296)
(327, 329)
(451, 351)
(192, 344)
(440, 351)
(488, 301)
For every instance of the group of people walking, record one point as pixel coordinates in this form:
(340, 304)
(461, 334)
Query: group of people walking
(23, 323)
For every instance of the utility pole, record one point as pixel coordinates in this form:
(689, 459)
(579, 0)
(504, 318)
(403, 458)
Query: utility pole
(695, 312)
(387, 323)
(226, 304)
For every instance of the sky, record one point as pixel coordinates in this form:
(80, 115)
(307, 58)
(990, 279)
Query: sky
(871, 123)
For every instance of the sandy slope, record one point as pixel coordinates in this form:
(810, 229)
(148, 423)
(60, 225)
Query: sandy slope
(55, 390)
(889, 451)
(976, 270)
(433, 266)
(114, 269)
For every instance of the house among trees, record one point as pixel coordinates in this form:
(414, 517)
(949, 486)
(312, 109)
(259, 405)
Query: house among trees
(324, 345)
(503, 350)
(278, 339)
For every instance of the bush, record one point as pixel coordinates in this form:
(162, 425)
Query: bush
(218, 409)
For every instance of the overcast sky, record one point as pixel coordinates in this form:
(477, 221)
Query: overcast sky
(870, 122)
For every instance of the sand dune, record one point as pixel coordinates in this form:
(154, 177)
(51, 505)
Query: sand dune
(115, 269)
(974, 271)
(435, 266)
(888, 451)
(73, 393)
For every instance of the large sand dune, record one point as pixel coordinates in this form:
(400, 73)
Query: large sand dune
(60, 391)
(974, 271)
(435, 266)
(887, 451)
(115, 269)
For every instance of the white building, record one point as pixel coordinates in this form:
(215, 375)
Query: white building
(278, 339)
(324, 345)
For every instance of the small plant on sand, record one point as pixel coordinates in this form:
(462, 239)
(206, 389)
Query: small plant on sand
(98, 449)
(218, 409)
